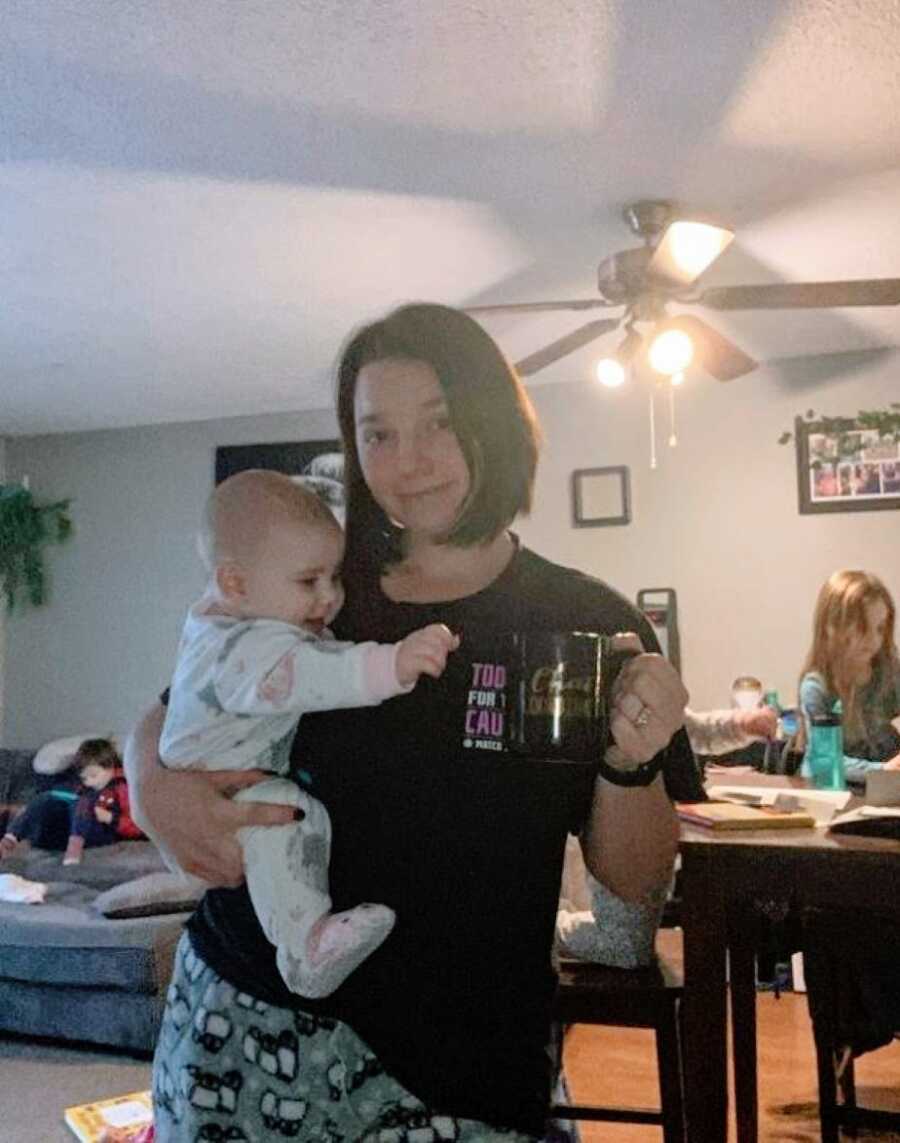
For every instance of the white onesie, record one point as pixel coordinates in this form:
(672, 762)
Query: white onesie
(239, 689)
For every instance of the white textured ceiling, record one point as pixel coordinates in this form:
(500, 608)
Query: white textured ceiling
(199, 200)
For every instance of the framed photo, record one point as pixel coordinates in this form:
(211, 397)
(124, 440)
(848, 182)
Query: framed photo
(318, 464)
(843, 466)
(601, 497)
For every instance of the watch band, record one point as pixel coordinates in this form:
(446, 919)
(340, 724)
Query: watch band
(641, 775)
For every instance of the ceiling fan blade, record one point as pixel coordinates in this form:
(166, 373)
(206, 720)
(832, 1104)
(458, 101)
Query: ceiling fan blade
(804, 295)
(686, 249)
(539, 307)
(716, 353)
(564, 345)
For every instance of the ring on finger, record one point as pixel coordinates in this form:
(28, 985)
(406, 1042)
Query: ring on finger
(642, 717)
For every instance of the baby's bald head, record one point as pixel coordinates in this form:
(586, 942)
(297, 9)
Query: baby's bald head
(243, 509)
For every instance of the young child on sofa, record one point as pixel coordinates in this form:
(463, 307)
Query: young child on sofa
(95, 811)
(256, 653)
(102, 815)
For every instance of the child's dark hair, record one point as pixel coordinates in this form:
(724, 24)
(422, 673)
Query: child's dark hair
(97, 752)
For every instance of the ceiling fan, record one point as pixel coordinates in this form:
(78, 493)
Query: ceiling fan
(677, 249)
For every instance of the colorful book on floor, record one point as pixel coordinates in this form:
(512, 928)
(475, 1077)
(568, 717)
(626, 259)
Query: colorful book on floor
(123, 1117)
(730, 815)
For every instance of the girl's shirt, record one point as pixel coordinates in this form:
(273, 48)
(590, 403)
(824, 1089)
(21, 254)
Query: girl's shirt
(878, 741)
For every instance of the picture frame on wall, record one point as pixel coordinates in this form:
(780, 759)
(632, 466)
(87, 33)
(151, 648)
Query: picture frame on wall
(319, 464)
(601, 497)
(844, 466)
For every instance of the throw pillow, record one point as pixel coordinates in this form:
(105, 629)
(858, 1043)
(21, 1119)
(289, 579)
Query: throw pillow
(56, 756)
(149, 896)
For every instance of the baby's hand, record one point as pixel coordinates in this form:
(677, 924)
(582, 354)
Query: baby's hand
(425, 652)
(103, 815)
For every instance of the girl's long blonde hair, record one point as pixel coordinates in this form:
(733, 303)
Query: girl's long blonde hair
(841, 610)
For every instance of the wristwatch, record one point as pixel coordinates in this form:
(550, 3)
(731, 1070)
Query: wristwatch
(641, 775)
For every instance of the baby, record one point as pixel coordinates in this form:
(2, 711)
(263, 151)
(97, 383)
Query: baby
(255, 654)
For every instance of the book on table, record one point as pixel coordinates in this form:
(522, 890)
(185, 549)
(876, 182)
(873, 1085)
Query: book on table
(123, 1117)
(731, 815)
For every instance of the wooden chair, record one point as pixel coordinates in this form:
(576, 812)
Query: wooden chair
(833, 946)
(629, 998)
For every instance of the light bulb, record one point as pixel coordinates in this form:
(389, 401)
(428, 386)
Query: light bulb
(695, 245)
(671, 351)
(677, 378)
(610, 372)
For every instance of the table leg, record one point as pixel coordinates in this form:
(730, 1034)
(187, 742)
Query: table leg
(742, 978)
(704, 1016)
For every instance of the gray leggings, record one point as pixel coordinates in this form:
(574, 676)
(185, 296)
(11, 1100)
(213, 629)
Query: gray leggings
(231, 1068)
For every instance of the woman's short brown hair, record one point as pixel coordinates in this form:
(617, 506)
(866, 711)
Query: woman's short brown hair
(490, 411)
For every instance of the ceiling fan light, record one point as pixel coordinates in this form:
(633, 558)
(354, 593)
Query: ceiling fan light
(671, 352)
(631, 345)
(610, 372)
(687, 249)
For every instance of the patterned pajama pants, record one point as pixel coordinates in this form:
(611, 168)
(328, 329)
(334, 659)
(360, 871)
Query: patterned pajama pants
(231, 1068)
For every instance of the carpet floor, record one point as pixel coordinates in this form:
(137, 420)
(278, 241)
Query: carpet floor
(39, 1080)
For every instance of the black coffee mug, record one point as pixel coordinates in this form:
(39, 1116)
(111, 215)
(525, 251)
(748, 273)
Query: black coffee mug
(542, 694)
(564, 680)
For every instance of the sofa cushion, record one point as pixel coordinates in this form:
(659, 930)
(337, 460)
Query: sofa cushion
(101, 867)
(149, 896)
(65, 942)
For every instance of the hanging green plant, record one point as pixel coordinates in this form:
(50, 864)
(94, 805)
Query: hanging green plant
(25, 527)
(885, 421)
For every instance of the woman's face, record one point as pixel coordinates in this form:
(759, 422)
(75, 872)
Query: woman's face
(861, 647)
(408, 451)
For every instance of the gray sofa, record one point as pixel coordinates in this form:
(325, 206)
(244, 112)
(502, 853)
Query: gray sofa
(93, 962)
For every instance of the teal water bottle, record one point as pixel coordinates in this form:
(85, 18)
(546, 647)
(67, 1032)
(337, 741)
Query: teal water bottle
(826, 751)
(774, 746)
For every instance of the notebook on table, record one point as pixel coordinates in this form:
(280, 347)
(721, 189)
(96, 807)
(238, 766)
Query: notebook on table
(733, 816)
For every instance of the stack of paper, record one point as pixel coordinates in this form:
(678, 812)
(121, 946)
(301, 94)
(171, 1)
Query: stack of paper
(821, 804)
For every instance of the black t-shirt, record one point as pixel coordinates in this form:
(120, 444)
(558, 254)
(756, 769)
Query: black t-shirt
(465, 845)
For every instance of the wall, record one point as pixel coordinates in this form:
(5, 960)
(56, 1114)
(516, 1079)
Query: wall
(2, 605)
(717, 521)
(101, 649)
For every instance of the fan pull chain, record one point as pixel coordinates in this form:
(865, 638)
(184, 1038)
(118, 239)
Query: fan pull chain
(652, 430)
(673, 438)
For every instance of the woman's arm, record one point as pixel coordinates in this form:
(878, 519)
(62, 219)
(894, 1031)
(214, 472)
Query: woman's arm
(190, 814)
(721, 731)
(631, 838)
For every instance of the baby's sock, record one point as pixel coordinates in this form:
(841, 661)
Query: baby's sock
(8, 844)
(74, 850)
(337, 944)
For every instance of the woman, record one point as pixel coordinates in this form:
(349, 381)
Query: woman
(443, 1031)
(853, 659)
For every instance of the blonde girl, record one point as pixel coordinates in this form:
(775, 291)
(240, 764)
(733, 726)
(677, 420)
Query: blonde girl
(853, 659)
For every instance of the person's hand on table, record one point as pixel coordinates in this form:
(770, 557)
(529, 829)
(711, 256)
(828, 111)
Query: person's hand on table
(648, 706)
(759, 722)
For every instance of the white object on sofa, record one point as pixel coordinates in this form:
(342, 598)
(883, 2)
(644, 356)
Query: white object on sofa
(56, 756)
(20, 891)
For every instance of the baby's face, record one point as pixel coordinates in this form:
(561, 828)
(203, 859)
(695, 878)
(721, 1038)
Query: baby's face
(296, 576)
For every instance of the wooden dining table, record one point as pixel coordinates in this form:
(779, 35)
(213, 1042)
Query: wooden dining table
(725, 875)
